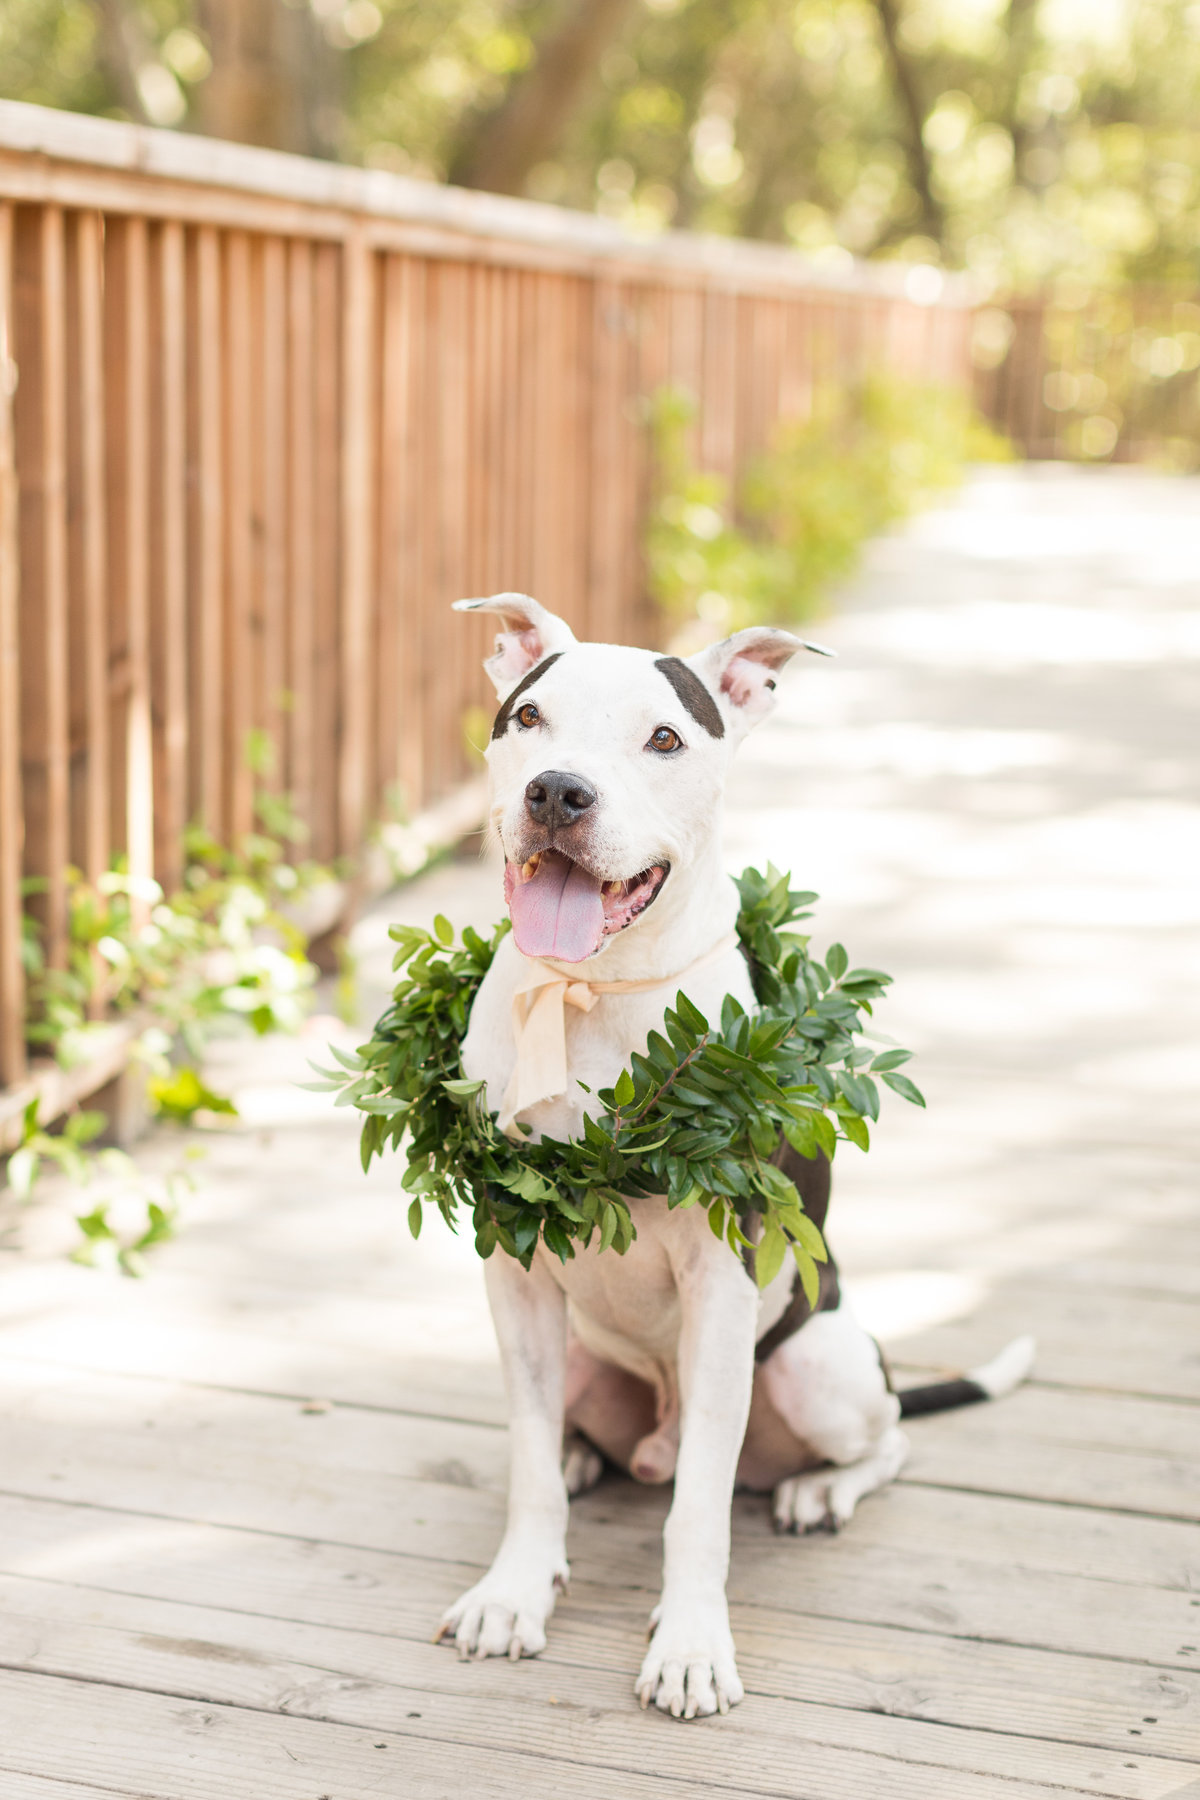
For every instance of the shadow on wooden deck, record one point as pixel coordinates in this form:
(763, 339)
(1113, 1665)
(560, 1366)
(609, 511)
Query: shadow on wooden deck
(212, 1588)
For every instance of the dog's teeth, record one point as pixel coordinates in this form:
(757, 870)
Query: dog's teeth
(530, 868)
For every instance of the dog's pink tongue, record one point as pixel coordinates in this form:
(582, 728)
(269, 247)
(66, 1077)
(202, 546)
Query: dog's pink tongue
(558, 911)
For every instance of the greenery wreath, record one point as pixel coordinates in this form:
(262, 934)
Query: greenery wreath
(697, 1117)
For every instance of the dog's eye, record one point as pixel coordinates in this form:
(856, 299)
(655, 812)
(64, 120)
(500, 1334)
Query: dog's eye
(528, 715)
(666, 740)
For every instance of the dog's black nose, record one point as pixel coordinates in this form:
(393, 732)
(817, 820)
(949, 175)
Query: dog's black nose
(555, 799)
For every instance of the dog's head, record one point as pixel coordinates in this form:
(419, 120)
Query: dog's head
(607, 767)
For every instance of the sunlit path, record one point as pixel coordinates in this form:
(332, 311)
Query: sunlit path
(235, 1498)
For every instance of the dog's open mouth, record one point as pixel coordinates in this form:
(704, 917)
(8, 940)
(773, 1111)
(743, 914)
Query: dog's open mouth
(561, 909)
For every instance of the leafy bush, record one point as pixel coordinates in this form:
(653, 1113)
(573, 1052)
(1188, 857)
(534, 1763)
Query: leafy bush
(866, 455)
(223, 949)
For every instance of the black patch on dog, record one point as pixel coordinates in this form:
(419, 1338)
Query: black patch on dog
(500, 723)
(693, 694)
(939, 1396)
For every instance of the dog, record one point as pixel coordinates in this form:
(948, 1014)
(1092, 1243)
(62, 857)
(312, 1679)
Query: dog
(607, 768)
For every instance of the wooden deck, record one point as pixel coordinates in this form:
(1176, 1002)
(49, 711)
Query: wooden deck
(235, 1498)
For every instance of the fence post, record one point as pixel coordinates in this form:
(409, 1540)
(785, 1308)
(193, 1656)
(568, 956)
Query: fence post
(12, 986)
(358, 359)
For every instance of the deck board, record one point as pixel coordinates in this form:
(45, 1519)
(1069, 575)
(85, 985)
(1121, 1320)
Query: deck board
(208, 1592)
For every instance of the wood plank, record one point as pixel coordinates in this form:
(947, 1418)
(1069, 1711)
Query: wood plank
(301, 575)
(238, 599)
(197, 1652)
(12, 830)
(151, 1748)
(1137, 1345)
(246, 1594)
(359, 378)
(915, 1591)
(271, 333)
(325, 720)
(127, 327)
(531, 1750)
(247, 1461)
(57, 1090)
(206, 529)
(88, 548)
(168, 554)
(40, 439)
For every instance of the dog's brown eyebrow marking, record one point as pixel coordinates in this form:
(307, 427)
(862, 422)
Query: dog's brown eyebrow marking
(693, 694)
(500, 723)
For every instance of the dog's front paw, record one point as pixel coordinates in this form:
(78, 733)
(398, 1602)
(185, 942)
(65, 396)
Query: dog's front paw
(689, 1669)
(505, 1614)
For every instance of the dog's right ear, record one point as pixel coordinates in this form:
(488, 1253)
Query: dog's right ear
(529, 634)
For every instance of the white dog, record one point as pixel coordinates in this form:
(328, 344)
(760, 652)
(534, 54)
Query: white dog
(608, 766)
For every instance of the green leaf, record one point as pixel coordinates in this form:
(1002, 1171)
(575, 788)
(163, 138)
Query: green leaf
(810, 1277)
(22, 1170)
(856, 1130)
(443, 929)
(803, 1229)
(415, 1215)
(908, 1090)
(769, 1255)
(623, 1092)
(836, 961)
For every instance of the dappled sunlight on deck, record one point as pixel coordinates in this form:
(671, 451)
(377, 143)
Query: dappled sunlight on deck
(235, 1498)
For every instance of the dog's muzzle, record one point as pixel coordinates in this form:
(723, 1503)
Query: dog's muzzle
(555, 801)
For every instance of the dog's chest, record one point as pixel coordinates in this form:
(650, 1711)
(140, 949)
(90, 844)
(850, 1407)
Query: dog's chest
(626, 1309)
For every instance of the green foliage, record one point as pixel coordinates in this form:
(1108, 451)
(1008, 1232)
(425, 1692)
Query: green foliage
(222, 950)
(181, 1094)
(222, 947)
(864, 457)
(697, 1116)
(1050, 139)
(70, 1152)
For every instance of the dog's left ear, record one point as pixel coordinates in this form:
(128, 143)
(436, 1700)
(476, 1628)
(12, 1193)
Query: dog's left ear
(529, 634)
(741, 671)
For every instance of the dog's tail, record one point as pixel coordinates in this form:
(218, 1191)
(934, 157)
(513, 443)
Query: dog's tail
(988, 1382)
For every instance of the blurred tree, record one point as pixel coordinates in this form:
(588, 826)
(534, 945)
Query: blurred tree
(1022, 139)
(499, 147)
(274, 76)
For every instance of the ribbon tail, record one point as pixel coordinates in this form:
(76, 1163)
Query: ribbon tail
(540, 1072)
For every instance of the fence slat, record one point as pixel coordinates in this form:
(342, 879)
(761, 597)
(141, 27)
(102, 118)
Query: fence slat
(40, 320)
(88, 546)
(12, 835)
(265, 433)
(301, 426)
(127, 322)
(168, 551)
(358, 378)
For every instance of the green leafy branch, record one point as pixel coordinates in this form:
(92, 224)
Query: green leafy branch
(698, 1116)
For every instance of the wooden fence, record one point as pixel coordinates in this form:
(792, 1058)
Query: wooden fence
(262, 419)
(1112, 377)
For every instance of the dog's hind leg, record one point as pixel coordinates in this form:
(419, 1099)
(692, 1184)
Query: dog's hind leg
(827, 1497)
(582, 1463)
(828, 1386)
(505, 1614)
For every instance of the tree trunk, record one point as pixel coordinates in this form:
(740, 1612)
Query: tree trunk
(123, 50)
(503, 145)
(274, 79)
(914, 110)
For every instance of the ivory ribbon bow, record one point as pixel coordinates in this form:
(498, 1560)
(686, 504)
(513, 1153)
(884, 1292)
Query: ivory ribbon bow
(540, 1025)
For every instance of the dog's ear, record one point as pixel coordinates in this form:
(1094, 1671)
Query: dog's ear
(741, 671)
(529, 634)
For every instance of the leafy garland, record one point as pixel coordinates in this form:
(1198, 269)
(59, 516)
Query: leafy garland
(697, 1117)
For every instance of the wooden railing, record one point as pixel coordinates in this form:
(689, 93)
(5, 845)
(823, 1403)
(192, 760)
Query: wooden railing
(262, 419)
